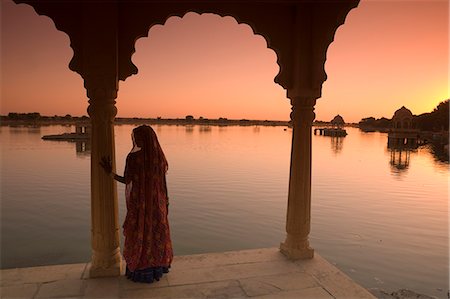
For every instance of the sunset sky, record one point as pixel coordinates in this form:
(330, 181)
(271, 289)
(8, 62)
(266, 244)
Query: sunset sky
(387, 54)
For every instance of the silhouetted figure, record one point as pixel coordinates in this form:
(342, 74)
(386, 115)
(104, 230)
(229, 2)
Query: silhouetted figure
(148, 247)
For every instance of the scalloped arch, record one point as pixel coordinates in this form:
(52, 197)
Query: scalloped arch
(142, 28)
(64, 16)
(299, 32)
(340, 20)
(133, 69)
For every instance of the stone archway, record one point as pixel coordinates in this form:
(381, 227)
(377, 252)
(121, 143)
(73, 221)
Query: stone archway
(102, 37)
(204, 61)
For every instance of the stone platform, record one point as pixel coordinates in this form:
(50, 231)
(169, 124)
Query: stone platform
(259, 273)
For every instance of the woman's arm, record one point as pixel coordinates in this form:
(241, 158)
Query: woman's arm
(105, 163)
(118, 177)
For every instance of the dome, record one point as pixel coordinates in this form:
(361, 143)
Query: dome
(338, 120)
(402, 113)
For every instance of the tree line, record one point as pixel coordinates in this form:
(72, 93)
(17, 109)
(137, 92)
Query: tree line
(436, 120)
(33, 116)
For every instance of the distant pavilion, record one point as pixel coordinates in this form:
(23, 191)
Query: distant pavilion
(103, 36)
(337, 122)
(403, 133)
(402, 138)
(336, 130)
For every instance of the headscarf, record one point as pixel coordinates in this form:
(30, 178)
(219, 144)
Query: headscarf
(145, 139)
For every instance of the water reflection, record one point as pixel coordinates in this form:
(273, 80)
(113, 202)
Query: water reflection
(189, 129)
(400, 144)
(34, 129)
(205, 129)
(399, 160)
(83, 148)
(337, 144)
(400, 156)
(157, 128)
(229, 192)
(440, 152)
(25, 129)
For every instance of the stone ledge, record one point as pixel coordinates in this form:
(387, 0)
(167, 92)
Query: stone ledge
(259, 273)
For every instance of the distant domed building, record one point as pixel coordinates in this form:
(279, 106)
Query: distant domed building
(403, 119)
(336, 129)
(337, 121)
(403, 133)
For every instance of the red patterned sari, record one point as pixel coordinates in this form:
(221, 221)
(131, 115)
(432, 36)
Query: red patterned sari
(148, 247)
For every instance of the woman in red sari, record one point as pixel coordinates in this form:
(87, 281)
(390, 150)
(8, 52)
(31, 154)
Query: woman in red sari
(148, 247)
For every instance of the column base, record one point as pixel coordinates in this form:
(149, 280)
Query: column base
(106, 265)
(113, 270)
(296, 253)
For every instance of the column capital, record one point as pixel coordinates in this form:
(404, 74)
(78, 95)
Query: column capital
(102, 110)
(100, 87)
(303, 110)
(102, 94)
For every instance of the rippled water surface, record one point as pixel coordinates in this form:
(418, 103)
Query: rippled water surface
(385, 226)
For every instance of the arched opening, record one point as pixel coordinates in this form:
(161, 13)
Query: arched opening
(213, 65)
(45, 194)
(36, 56)
(217, 65)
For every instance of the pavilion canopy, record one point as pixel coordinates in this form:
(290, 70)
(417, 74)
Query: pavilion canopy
(103, 33)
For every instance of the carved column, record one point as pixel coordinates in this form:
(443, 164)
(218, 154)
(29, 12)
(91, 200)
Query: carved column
(106, 258)
(298, 221)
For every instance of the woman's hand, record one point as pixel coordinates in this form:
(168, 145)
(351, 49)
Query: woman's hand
(106, 164)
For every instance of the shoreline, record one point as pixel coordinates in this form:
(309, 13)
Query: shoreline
(398, 294)
(138, 121)
(174, 121)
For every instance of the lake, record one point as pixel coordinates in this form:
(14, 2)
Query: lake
(384, 225)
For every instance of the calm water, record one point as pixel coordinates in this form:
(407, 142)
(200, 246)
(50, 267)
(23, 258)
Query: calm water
(383, 226)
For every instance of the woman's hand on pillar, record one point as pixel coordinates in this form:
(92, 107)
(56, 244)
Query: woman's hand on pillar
(106, 164)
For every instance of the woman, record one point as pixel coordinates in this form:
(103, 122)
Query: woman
(148, 248)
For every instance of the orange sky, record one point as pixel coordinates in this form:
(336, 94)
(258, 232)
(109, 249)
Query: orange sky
(387, 54)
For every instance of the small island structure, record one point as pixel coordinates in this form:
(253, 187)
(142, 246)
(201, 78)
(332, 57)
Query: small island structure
(82, 133)
(336, 130)
(403, 132)
(402, 138)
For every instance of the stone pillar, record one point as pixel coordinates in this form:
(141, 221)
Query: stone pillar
(298, 223)
(106, 258)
